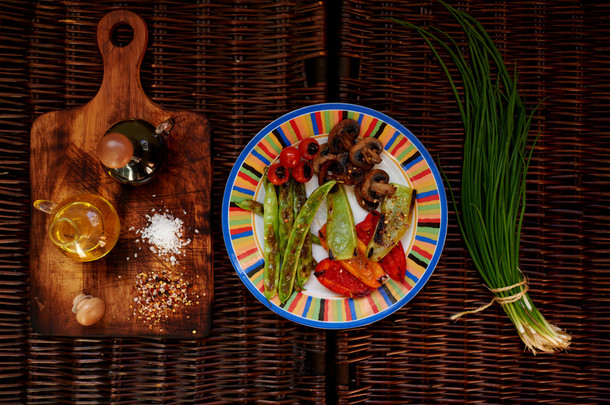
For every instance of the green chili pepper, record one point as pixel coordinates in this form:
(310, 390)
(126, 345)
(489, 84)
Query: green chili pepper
(270, 228)
(340, 227)
(300, 230)
(285, 202)
(304, 268)
(393, 223)
(250, 205)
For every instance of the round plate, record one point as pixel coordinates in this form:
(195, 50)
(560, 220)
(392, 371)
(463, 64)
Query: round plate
(406, 161)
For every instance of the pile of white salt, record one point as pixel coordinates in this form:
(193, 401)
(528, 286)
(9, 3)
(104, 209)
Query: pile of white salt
(164, 233)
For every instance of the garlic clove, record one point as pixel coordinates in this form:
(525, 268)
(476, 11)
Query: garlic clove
(88, 309)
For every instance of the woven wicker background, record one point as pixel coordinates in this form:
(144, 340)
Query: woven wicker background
(419, 355)
(243, 63)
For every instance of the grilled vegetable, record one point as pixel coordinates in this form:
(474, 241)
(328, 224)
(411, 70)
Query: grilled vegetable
(272, 256)
(300, 230)
(278, 174)
(362, 268)
(366, 151)
(393, 223)
(309, 148)
(342, 240)
(394, 264)
(250, 205)
(307, 264)
(343, 136)
(257, 208)
(332, 275)
(285, 202)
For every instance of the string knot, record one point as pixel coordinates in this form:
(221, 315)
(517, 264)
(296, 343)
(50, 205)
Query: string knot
(524, 284)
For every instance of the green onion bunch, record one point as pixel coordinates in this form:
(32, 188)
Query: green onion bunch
(495, 164)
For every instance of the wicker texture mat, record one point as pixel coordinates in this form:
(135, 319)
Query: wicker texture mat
(419, 355)
(243, 63)
(240, 63)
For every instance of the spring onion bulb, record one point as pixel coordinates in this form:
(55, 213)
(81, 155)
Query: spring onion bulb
(495, 164)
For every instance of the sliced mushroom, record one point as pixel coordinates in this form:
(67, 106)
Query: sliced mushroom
(324, 155)
(333, 170)
(375, 186)
(366, 152)
(343, 135)
(356, 174)
(363, 202)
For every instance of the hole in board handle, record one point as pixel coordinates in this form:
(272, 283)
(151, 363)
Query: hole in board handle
(121, 35)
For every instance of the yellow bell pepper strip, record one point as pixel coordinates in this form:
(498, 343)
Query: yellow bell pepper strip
(340, 226)
(300, 230)
(271, 253)
(393, 223)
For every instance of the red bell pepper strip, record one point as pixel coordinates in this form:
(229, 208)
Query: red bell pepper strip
(332, 275)
(365, 270)
(394, 263)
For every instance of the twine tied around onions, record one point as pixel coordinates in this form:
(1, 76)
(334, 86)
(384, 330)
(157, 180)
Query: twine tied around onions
(500, 300)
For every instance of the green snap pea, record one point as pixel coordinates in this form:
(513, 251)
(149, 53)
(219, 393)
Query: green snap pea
(304, 267)
(270, 228)
(286, 203)
(300, 230)
(315, 239)
(257, 208)
(250, 205)
(393, 223)
(340, 227)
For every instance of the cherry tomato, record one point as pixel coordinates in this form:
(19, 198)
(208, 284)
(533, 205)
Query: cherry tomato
(278, 174)
(290, 157)
(303, 172)
(309, 148)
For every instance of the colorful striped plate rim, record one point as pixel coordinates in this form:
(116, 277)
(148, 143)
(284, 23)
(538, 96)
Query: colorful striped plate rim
(429, 234)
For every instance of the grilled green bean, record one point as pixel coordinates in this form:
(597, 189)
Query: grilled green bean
(296, 239)
(304, 268)
(315, 239)
(270, 226)
(285, 203)
(250, 205)
(257, 208)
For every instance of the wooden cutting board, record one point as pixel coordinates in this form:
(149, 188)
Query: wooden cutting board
(63, 163)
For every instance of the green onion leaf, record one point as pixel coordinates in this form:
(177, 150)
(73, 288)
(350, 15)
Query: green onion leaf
(495, 164)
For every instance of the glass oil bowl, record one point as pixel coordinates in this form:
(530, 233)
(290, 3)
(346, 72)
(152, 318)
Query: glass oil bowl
(85, 227)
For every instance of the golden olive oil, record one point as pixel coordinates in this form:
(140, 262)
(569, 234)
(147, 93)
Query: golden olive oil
(84, 227)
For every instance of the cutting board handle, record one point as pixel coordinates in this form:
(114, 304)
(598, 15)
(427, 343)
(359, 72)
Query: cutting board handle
(121, 63)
